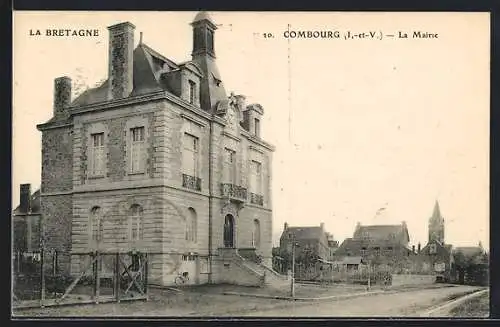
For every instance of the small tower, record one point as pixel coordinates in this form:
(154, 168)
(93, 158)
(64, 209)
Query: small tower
(436, 225)
(203, 55)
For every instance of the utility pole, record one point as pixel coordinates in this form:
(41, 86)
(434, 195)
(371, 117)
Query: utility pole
(293, 268)
(369, 272)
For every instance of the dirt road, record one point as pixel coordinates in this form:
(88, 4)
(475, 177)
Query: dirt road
(405, 304)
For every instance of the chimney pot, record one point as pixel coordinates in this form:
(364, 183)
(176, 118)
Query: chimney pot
(322, 225)
(286, 226)
(121, 60)
(413, 248)
(62, 94)
(419, 247)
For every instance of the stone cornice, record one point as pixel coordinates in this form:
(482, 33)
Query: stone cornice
(194, 120)
(127, 185)
(257, 141)
(53, 125)
(116, 103)
(234, 137)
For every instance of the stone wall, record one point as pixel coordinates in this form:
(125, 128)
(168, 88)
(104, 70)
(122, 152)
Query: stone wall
(57, 160)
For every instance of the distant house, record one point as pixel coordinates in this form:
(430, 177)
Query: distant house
(436, 256)
(333, 245)
(26, 221)
(348, 263)
(312, 242)
(471, 265)
(378, 244)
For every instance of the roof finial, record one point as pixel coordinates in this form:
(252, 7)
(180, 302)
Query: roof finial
(140, 38)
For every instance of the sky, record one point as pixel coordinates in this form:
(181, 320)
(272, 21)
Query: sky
(358, 124)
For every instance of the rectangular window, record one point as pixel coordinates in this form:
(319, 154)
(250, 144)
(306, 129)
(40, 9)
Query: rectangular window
(257, 127)
(190, 155)
(137, 148)
(230, 166)
(256, 177)
(192, 90)
(210, 40)
(97, 157)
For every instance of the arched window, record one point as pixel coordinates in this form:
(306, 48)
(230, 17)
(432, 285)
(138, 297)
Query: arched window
(191, 225)
(136, 229)
(256, 233)
(96, 225)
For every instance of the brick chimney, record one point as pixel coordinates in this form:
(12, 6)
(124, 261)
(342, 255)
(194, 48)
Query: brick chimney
(322, 225)
(286, 226)
(25, 198)
(419, 247)
(62, 94)
(413, 248)
(121, 60)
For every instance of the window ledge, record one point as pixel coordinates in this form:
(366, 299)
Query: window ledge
(136, 173)
(96, 176)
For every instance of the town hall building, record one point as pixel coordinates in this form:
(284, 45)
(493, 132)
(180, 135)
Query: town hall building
(159, 159)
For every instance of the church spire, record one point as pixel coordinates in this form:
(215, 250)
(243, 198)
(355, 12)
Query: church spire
(436, 214)
(436, 225)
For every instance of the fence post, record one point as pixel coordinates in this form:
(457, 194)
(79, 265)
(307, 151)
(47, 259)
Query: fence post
(42, 277)
(146, 264)
(18, 254)
(117, 277)
(94, 269)
(98, 276)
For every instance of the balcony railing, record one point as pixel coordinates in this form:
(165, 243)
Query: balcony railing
(191, 182)
(233, 191)
(256, 199)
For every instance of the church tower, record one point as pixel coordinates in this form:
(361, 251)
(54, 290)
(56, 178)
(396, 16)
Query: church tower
(211, 88)
(436, 225)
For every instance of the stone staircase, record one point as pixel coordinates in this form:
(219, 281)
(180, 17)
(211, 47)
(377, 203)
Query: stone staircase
(272, 278)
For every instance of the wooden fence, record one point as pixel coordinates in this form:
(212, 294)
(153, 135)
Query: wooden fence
(99, 277)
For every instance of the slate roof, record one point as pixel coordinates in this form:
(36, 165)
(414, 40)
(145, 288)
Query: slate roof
(35, 204)
(148, 67)
(202, 15)
(305, 233)
(469, 251)
(380, 232)
(351, 260)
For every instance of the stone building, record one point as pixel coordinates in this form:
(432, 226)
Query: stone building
(311, 241)
(379, 245)
(313, 245)
(26, 221)
(158, 159)
(436, 256)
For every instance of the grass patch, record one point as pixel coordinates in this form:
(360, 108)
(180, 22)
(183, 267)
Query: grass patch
(475, 307)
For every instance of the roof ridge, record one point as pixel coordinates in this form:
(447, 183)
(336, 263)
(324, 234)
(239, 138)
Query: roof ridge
(155, 53)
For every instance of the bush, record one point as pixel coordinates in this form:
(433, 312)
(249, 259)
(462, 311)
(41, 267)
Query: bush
(57, 283)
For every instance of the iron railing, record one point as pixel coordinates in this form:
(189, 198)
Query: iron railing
(233, 191)
(256, 199)
(191, 182)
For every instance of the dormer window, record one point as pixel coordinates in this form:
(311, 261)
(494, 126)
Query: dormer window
(192, 90)
(257, 127)
(216, 80)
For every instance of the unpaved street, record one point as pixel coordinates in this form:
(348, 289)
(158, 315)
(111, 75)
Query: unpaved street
(384, 305)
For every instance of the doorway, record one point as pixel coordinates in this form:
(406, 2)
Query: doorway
(229, 231)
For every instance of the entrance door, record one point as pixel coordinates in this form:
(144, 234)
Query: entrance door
(229, 232)
(189, 266)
